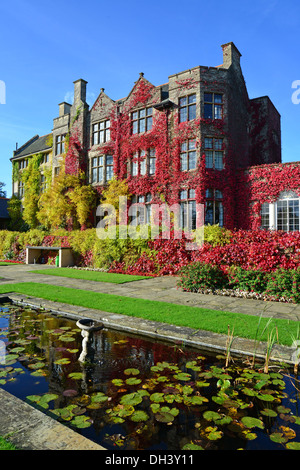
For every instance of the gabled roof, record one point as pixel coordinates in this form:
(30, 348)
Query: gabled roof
(3, 208)
(35, 145)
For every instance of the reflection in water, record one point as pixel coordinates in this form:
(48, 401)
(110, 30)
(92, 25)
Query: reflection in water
(129, 392)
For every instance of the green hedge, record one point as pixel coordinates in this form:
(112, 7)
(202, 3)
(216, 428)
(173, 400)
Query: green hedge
(282, 283)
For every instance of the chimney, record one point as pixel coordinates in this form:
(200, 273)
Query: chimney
(80, 91)
(231, 55)
(64, 108)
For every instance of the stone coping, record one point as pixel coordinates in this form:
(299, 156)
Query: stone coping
(204, 340)
(31, 429)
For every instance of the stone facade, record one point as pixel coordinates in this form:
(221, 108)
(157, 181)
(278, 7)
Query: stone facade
(188, 140)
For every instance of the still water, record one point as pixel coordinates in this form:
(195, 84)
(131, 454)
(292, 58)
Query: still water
(133, 393)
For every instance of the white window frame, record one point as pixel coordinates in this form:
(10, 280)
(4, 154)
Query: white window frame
(273, 209)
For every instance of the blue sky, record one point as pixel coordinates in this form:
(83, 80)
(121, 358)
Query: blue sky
(46, 46)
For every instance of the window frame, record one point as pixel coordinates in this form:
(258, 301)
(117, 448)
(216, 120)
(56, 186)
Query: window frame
(288, 224)
(147, 159)
(187, 106)
(60, 140)
(103, 165)
(141, 217)
(188, 209)
(98, 132)
(214, 105)
(214, 151)
(21, 189)
(216, 199)
(137, 120)
(187, 153)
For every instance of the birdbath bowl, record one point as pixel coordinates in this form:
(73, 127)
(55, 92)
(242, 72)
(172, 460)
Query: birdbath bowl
(88, 325)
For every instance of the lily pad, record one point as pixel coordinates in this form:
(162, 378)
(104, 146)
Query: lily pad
(98, 397)
(131, 399)
(76, 375)
(139, 416)
(250, 422)
(133, 381)
(164, 417)
(81, 422)
(63, 360)
(118, 382)
(157, 397)
(191, 446)
(131, 371)
(269, 412)
(182, 376)
(293, 445)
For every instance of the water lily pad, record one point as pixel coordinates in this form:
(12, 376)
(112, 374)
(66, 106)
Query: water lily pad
(211, 415)
(278, 437)
(66, 339)
(99, 397)
(39, 373)
(131, 371)
(157, 397)
(293, 445)
(36, 365)
(118, 382)
(213, 434)
(164, 417)
(17, 349)
(63, 360)
(265, 397)
(183, 376)
(81, 422)
(131, 399)
(250, 422)
(133, 381)
(139, 416)
(191, 446)
(76, 375)
(283, 409)
(269, 412)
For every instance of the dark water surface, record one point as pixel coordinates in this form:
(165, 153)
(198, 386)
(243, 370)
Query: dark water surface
(133, 393)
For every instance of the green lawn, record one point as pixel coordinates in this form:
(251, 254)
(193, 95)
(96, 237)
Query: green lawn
(198, 318)
(99, 276)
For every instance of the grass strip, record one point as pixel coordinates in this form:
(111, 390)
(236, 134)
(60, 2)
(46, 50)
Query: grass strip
(4, 263)
(6, 445)
(245, 326)
(98, 276)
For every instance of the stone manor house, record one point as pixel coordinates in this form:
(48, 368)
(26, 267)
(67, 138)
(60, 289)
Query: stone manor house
(198, 137)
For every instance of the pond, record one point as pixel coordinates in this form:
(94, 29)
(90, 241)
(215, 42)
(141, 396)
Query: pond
(132, 393)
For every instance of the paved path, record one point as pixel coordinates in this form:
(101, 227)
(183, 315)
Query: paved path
(34, 430)
(162, 289)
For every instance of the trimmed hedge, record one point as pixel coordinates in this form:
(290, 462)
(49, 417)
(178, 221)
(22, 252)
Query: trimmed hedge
(279, 284)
